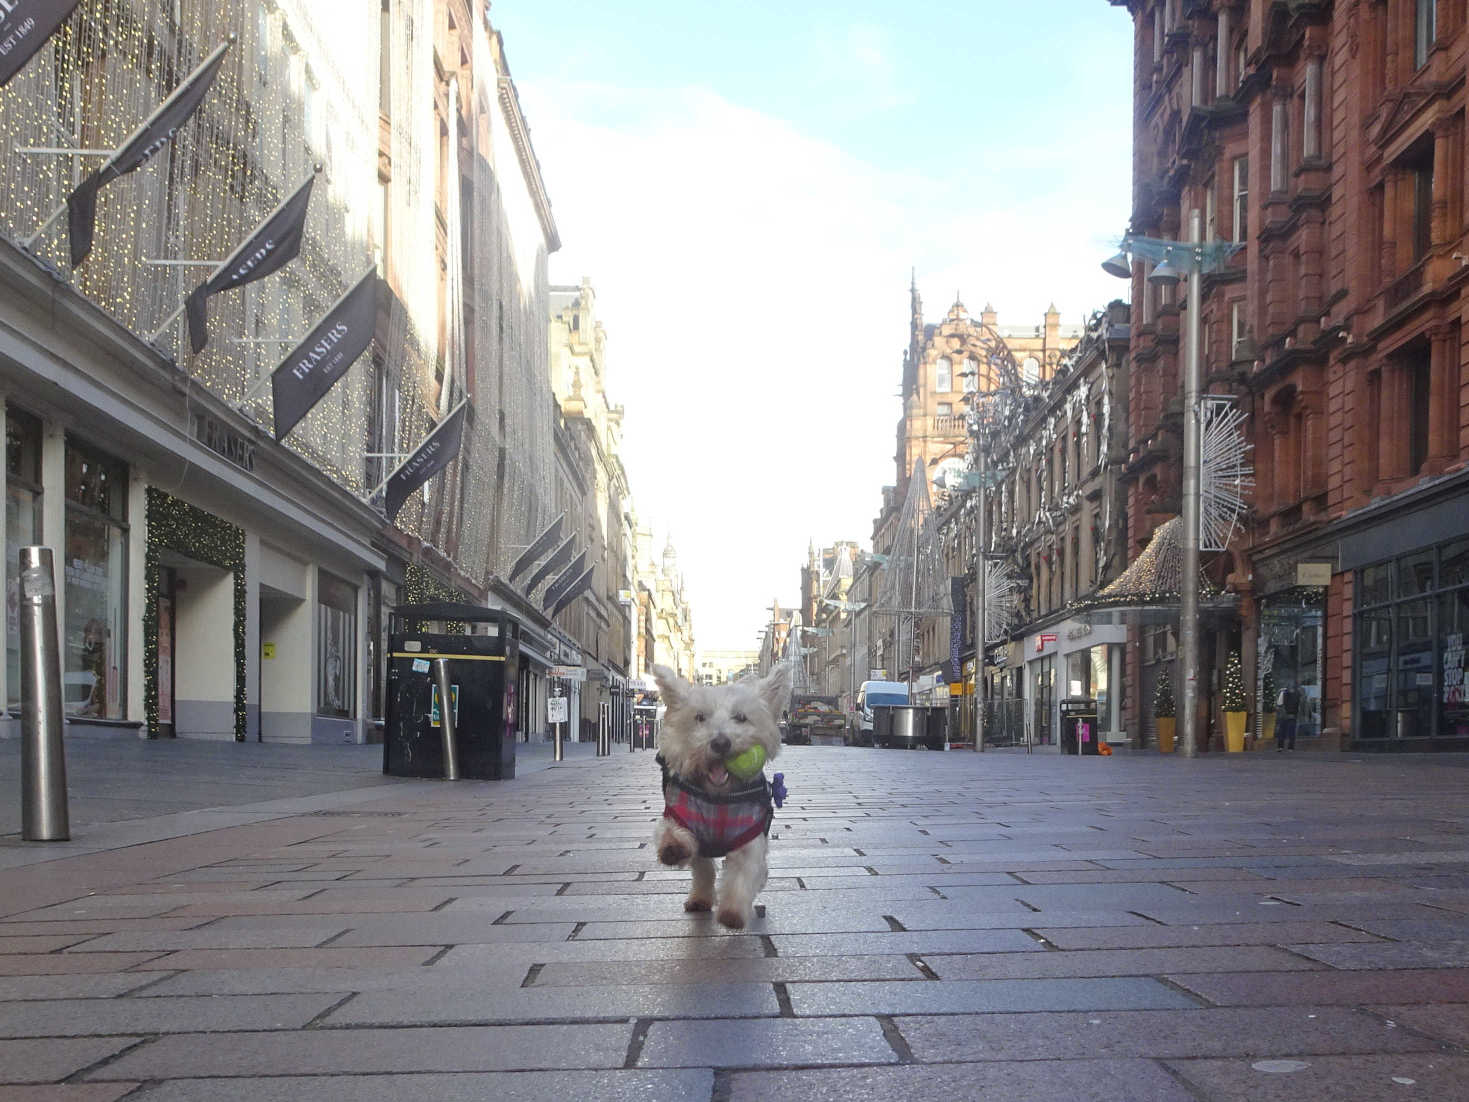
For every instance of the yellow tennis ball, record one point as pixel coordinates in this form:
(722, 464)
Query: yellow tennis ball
(747, 763)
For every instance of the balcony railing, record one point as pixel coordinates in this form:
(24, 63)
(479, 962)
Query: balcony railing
(1405, 286)
(949, 424)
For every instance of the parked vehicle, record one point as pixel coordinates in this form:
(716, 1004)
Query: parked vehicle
(816, 720)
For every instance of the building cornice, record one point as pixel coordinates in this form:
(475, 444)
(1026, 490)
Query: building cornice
(529, 165)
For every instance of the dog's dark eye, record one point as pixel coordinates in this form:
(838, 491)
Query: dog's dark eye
(739, 717)
(699, 717)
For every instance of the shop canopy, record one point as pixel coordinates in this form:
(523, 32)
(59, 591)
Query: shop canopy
(1150, 589)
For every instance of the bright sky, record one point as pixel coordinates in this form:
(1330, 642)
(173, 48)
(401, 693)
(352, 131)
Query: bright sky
(748, 186)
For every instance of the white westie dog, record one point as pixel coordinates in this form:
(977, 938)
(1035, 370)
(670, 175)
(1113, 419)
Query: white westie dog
(713, 747)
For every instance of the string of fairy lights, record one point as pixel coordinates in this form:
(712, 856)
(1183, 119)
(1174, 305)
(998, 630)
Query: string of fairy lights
(281, 104)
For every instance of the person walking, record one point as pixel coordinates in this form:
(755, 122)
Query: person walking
(1286, 704)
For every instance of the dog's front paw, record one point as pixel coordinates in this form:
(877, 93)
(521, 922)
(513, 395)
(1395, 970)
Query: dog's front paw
(697, 903)
(674, 853)
(732, 917)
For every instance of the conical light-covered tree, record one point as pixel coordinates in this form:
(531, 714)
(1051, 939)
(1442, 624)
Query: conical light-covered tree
(1235, 697)
(1163, 706)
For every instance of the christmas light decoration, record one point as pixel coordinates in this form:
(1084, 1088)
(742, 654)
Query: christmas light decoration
(1163, 702)
(1224, 476)
(177, 526)
(1232, 693)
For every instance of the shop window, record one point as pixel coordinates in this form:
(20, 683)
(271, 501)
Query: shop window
(337, 652)
(94, 662)
(22, 528)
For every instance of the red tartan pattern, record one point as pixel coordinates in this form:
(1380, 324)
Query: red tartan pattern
(719, 826)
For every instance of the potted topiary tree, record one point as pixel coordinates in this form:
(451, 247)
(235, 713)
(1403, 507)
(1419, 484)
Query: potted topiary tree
(1267, 709)
(1164, 710)
(1236, 704)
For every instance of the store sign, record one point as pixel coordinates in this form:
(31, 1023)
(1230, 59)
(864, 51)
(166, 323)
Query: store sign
(1313, 573)
(556, 710)
(569, 673)
(1043, 639)
(225, 442)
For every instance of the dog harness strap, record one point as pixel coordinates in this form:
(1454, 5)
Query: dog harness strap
(720, 823)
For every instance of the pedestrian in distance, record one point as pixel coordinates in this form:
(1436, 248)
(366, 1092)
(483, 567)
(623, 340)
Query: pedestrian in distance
(1286, 703)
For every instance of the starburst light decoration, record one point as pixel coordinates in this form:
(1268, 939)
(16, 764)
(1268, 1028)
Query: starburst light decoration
(1224, 475)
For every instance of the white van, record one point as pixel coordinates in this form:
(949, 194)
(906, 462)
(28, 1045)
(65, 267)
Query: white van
(877, 694)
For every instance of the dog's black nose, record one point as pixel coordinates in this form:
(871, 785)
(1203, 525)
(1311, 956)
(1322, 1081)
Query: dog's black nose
(720, 745)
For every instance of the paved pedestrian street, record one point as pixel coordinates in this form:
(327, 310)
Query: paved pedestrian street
(936, 926)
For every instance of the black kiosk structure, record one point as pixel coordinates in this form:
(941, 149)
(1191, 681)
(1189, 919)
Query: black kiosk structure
(484, 670)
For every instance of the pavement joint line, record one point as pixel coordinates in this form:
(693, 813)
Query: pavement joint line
(158, 977)
(438, 955)
(1166, 1066)
(332, 938)
(1147, 918)
(635, 1042)
(531, 974)
(783, 1000)
(922, 966)
(445, 903)
(723, 1089)
(333, 1008)
(504, 918)
(767, 945)
(894, 926)
(80, 1075)
(1038, 936)
(1393, 1023)
(1188, 993)
(1028, 906)
(895, 1039)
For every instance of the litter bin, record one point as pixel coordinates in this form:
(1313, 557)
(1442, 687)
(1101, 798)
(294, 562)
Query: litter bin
(1079, 733)
(483, 673)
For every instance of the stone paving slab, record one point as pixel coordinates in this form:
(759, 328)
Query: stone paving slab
(1359, 1078)
(1446, 985)
(501, 975)
(1073, 1080)
(516, 1086)
(375, 1051)
(74, 986)
(1445, 1021)
(83, 1017)
(56, 964)
(71, 1092)
(765, 1043)
(45, 1061)
(1152, 936)
(1229, 1031)
(726, 970)
(1390, 954)
(1115, 962)
(906, 941)
(454, 1006)
(994, 996)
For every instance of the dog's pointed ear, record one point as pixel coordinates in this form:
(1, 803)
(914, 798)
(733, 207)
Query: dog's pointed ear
(672, 688)
(775, 689)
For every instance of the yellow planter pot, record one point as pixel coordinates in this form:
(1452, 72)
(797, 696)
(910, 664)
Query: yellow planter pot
(1234, 731)
(1267, 731)
(1165, 734)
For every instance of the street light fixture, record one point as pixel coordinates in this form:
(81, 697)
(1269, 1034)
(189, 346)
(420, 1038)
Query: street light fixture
(1193, 259)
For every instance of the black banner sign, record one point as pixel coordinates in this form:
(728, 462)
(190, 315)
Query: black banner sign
(26, 26)
(959, 608)
(538, 547)
(557, 589)
(555, 562)
(274, 244)
(432, 456)
(147, 141)
(574, 592)
(312, 369)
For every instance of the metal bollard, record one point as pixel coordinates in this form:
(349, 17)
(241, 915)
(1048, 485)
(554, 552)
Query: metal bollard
(604, 733)
(560, 752)
(446, 719)
(44, 814)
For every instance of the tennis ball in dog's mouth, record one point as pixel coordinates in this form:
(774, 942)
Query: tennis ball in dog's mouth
(747, 763)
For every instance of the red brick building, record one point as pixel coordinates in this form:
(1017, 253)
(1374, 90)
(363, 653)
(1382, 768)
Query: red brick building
(1328, 140)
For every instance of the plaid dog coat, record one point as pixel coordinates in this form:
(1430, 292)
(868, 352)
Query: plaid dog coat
(720, 822)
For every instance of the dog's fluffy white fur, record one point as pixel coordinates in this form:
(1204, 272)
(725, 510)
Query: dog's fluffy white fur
(703, 727)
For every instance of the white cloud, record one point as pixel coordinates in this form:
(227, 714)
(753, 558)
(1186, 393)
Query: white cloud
(753, 283)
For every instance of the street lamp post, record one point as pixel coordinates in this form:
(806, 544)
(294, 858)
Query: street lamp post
(1194, 259)
(981, 539)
